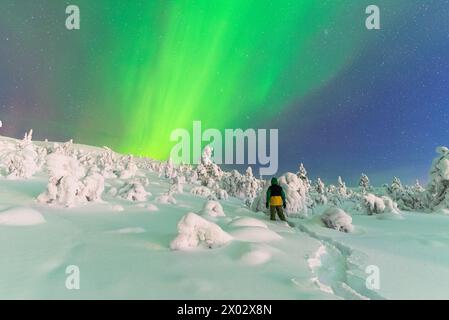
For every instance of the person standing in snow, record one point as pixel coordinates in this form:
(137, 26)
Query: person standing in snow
(276, 200)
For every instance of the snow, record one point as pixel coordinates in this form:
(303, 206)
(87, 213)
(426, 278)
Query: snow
(21, 216)
(257, 256)
(194, 231)
(255, 234)
(91, 207)
(248, 222)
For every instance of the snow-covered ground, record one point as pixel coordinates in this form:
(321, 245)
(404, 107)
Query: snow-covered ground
(136, 240)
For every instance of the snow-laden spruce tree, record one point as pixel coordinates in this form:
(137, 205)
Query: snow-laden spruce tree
(409, 198)
(364, 184)
(241, 186)
(319, 193)
(338, 194)
(438, 187)
(209, 173)
(302, 174)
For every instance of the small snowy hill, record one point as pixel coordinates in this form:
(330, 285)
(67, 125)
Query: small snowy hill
(138, 228)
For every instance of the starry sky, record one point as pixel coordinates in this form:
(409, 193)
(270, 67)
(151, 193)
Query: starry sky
(345, 99)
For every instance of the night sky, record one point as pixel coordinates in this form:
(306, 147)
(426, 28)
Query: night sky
(345, 99)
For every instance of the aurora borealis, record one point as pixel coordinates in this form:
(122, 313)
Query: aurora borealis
(346, 100)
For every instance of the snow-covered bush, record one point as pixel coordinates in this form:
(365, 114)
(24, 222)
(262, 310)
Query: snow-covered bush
(166, 198)
(92, 187)
(201, 191)
(177, 184)
(296, 196)
(133, 190)
(194, 231)
(336, 218)
(378, 205)
(220, 194)
(21, 160)
(65, 183)
(213, 209)
(129, 168)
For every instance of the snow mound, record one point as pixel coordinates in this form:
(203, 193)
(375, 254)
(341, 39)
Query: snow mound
(376, 205)
(336, 218)
(21, 216)
(166, 199)
(256, 257)
(255, 234)
(248, 222)
(195, 231)
(152, 207)
(131, 230)
(212, 208)
(117, 208)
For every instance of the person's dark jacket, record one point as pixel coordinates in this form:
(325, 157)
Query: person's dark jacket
(275, 190)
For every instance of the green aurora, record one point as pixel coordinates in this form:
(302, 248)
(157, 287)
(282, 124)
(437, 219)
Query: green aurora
(227, 63)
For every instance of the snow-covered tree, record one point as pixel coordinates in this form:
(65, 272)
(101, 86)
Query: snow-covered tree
(319, 193)
(302, 174)
(64, 185)
(438, 187)
(207, 171)
(364, 183)
(408, 198)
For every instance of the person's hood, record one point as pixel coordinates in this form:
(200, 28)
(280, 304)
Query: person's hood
(274, 181)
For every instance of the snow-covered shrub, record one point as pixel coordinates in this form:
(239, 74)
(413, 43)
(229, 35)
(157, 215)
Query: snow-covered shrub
(378, 205)
(177, 184)
(129, 168)
(336, 218)
(133, 190)
(212, 208)
(92, 187)
(296, 196)
(166, 198)
(221, 194)
(21, 160)
(194, 231)
(64, 185)
(201, 191)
